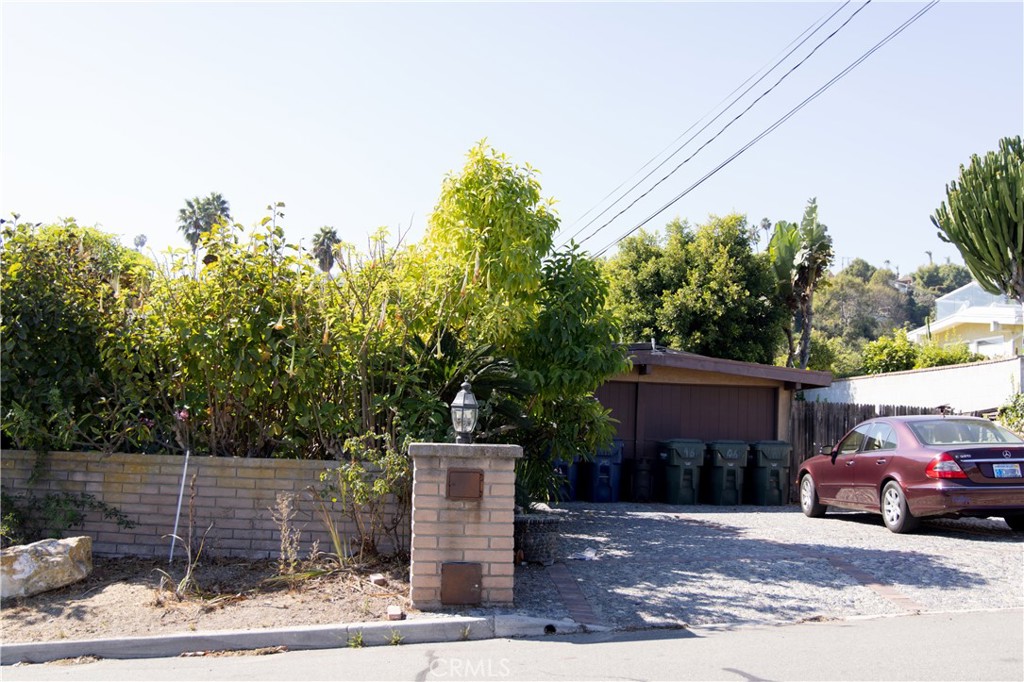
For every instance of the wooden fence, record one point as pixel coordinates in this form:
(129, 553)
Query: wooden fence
(813, 425)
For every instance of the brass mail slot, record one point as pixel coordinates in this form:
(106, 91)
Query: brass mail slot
(465, 484)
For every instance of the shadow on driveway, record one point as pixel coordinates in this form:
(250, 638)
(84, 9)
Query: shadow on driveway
(660, 565)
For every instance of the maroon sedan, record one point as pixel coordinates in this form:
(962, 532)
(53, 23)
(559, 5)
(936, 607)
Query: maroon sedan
(908, 468)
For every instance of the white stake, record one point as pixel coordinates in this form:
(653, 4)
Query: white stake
(177, 515)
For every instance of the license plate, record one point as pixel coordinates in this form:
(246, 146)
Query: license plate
(1006, 470)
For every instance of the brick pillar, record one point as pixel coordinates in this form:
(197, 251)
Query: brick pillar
(463, 514)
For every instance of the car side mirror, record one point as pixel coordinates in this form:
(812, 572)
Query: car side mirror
(825, 450)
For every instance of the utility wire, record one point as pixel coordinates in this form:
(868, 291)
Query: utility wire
(816, 26)
(729, 124)
(777, 123)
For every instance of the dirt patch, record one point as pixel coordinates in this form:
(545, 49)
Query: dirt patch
(123, 597)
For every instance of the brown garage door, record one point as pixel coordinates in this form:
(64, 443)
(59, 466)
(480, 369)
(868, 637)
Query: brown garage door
(620, 398)
(663, 411)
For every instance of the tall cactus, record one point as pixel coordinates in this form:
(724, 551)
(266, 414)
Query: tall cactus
(984, 218)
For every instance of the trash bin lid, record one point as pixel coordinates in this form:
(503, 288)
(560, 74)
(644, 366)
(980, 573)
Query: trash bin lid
(721, 451)
(683, 449)
(772, 449)
(727, 444)
(613, 453)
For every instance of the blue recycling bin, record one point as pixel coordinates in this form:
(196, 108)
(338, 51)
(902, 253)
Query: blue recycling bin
(605, 474)
(569, 490)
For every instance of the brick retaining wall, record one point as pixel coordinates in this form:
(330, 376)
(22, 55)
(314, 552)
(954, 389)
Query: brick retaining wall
(235, 495)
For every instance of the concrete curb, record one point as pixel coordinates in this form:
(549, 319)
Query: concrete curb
(417, 631)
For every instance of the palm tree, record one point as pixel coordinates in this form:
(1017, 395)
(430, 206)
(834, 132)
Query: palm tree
(811, 261)
(190, 221)
(323, 247)
(200, 215)
(800, 255)
(217, 207)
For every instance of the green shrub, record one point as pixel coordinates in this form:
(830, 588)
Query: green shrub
(1011, 415)
(65, 289)
(245, 347)
(897, 353)
(933, 355)
(893, 353)
(27, 518)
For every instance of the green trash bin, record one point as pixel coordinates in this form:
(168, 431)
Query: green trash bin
(682, 459)
(768, 473)
(726, 460)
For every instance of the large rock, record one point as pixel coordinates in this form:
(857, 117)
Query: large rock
(45, 565)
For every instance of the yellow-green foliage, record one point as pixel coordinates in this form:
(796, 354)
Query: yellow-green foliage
(250, 346)
(1011, 415)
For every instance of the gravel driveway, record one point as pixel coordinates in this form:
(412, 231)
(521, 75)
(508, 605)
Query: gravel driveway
(661, 565)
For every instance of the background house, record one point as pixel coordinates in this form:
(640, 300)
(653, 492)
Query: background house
(989, 324)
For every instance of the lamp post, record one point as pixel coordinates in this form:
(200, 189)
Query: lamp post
(465, 411)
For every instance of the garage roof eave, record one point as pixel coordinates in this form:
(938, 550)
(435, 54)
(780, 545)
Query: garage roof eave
(642, 354)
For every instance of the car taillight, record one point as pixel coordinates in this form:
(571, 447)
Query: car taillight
(944, 466)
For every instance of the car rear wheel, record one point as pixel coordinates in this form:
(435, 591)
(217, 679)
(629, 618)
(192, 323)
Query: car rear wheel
(895, 511)
(1015, 522)
(809, 498)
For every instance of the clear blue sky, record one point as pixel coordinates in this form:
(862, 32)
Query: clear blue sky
(352, 114)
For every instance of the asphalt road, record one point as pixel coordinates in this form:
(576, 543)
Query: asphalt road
(977, 645)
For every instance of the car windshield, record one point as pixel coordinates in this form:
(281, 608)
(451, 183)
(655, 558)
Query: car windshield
(961, 432)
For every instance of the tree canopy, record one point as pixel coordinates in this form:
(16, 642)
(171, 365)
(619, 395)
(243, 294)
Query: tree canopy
(702, 290)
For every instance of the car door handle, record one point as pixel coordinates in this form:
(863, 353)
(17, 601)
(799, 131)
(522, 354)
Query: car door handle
(851, 463)
(881, 461)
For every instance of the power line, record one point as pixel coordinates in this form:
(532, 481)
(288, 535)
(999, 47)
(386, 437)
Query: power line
(816, 26)
(729, 124)
(777, 123)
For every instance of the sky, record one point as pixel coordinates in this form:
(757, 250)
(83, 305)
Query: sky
(352, 114)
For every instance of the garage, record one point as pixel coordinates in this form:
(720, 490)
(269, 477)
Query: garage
(669, 394)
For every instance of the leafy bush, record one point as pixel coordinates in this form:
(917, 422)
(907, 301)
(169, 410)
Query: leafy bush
(244, 347)
(832, 354)
(894, 353)
(12, 522)
(1011, 415)
(244, 351)
(897, 353)
(374, 490)
(934, 355)
(65, 290)
(27, 518)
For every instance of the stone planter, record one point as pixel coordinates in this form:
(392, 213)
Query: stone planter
(537, 538)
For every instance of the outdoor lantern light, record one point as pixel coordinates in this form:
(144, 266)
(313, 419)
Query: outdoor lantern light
(464, 413)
